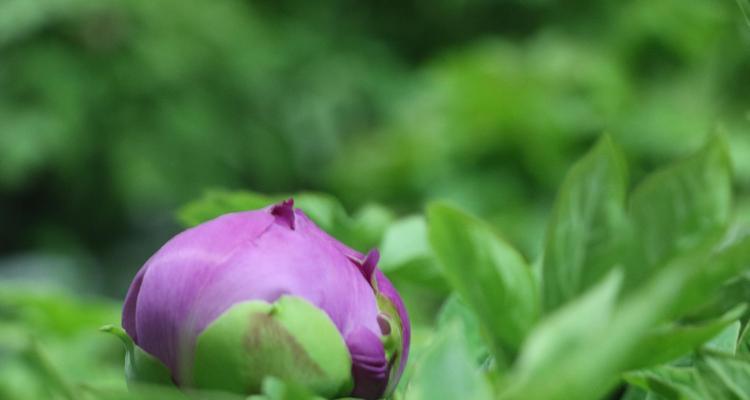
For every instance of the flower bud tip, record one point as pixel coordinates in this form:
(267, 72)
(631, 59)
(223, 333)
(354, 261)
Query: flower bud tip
(284, 213)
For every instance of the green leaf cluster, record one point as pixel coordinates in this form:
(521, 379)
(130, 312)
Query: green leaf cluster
(629, 280)
(639, 289)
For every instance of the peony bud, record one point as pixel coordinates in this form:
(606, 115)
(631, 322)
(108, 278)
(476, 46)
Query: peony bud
(267, 293)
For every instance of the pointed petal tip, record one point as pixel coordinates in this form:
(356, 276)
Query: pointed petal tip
(370, 263)
(284, 213)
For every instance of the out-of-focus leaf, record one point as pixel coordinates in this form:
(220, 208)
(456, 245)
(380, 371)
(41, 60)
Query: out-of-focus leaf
(585, 235)
(666, 343)
(405, 242)
(563, 335)
(155, 392)
(590, 371)
(369, 225)
(217, 202)
(54, 311)
(455, 311)
(448, 371)
(487, 273)
(49, 345)
(735, 291)
(668, 383)
(325, 210)
(724, 376)
(406, 254)
(727, 340)
(58, 384)
(680, 207)
(635, 393)
(711, 271)
(714, 373)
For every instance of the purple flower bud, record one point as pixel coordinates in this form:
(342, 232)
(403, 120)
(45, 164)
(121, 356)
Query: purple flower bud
(269, 293)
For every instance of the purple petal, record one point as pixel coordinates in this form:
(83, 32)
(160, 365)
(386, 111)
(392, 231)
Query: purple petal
(244, 256)
(369, 365)
(131, 301)
(178, 271)
(368, 264)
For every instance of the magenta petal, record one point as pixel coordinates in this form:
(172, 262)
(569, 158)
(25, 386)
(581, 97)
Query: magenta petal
(245, 256)
(262, 255)
(369, 264)
(131, 301)
(369, 365)
(178, 272)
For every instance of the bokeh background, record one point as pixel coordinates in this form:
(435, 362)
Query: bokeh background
(116, 114)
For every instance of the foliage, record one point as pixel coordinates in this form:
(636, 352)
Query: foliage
(438, 132)
(649, 321)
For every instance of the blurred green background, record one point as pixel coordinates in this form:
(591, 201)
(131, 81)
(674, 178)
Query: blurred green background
(114, 114)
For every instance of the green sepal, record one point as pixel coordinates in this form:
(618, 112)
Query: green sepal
(140, 367)
(275, 389)
(290, 339)
(393, 342)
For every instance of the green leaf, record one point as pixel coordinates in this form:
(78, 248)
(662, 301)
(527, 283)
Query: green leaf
(546, 365)
(707, 273)
(448, 371)
(454, 311)
(725, 377)
(733, 292)
(325, 210)
(667, 343)
(636, 393)
(491, 277)
(588, 228)
(58, 384)
(727, 340)
(361, 232)
(680, 207)
(369, 224)
(142, 391)
(140, 367)
(405, 243)
(218, 202)
(669, 383)
(590, 342)
(405, 254)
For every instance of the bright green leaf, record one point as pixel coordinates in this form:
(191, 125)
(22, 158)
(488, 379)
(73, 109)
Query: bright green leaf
(544, 369)
(666, 343)
(683, 206)
(588, 230)
(447, 371)
(725, 377)
(668, 383)
(727, 340)
(491, 277)
(455, 311)
(405, 254)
